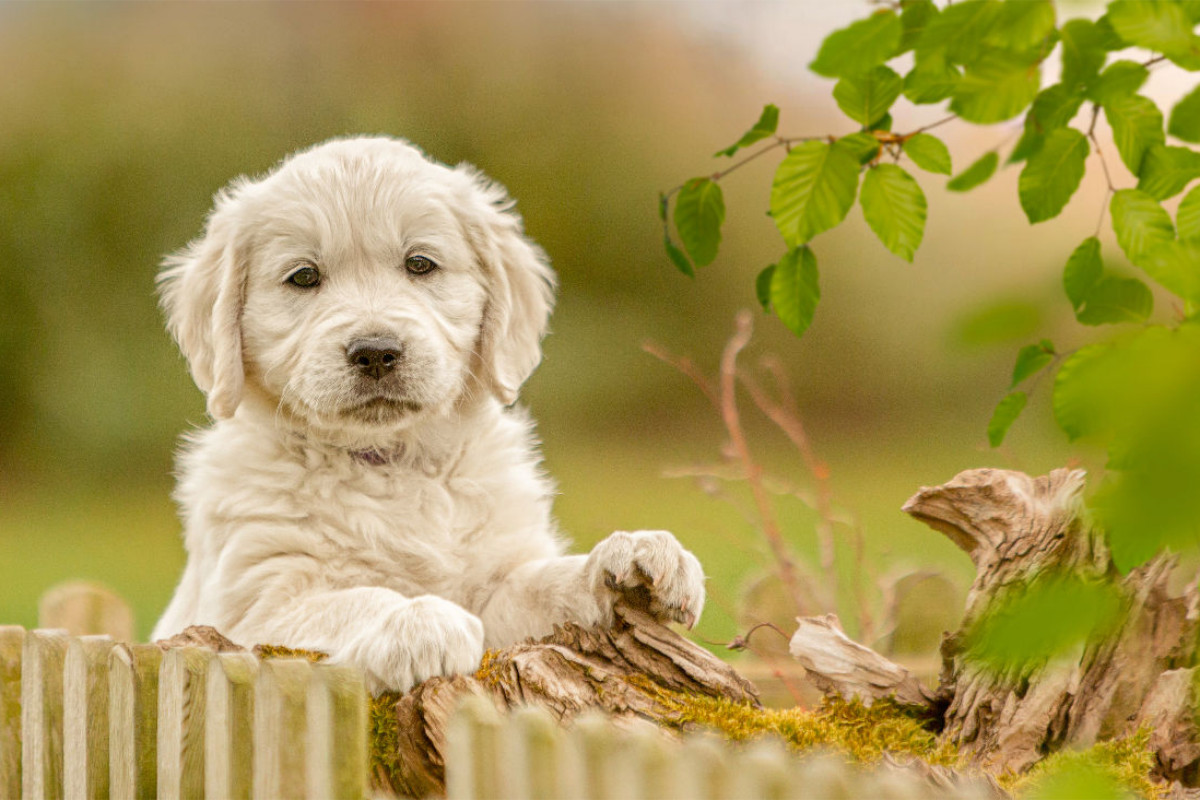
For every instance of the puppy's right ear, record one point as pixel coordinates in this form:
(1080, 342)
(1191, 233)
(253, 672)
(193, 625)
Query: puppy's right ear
(201, 290)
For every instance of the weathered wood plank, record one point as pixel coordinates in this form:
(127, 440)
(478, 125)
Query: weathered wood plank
(229, 728)
(337, 746)
(12, 639)
(471, 750)
(534, 747)
(280, 722)
(42, 657)
(85, 717)
(133, 720)
(182, 683)
(83, 608)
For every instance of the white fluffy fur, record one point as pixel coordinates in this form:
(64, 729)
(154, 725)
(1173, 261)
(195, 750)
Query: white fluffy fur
(399, 525)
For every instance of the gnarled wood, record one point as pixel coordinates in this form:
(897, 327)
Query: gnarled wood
(617, 671)
(1015, 528)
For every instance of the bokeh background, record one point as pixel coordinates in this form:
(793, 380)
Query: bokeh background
(119, 121)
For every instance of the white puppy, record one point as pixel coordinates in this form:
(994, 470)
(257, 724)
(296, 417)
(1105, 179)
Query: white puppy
(361, 319)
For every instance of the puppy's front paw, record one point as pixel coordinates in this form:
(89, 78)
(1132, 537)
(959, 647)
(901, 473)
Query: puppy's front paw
(652, 562)
(427, 636)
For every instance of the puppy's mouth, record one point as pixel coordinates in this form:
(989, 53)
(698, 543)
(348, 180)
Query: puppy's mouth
(379, 409)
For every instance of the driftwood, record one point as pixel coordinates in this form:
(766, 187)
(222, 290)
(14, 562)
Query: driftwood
(618, 671)
(1015, 528)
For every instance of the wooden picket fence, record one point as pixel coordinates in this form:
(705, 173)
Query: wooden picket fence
(88, 716)
(527, 754)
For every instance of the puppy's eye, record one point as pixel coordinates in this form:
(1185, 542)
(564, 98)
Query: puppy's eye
(419, 265)
(305, 277)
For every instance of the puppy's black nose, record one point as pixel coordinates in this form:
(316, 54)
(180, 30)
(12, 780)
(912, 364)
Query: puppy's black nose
(376, 356)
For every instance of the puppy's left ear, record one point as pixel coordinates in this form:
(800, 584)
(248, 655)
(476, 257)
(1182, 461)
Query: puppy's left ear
(201, 289)
(520, 289)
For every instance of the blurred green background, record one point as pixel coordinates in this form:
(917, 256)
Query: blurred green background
(121, 120)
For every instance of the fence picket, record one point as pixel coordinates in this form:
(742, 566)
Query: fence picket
(85, 717)
(42, 658)
(280, 722)
(533, 746)
(472, 735)
(182, 682)
(229, 726)
(337, 746)
(133, 720)
(12, 639)
(761, 771)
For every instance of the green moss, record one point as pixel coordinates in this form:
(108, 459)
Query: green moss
(279, 651)
(385, 736)
(863, 733)
(1126, 763)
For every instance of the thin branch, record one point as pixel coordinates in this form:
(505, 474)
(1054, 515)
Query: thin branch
(933, 125)
(729, 414)
(687, 367)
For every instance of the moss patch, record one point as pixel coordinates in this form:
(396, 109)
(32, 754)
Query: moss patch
(861, 732)
(1125, 763)
(266, 651)
(385, 737)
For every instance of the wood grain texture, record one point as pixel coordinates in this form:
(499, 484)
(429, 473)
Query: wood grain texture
(12, 640)
(182, 683)
(229, 726)
(42, 657)
(85, 717)
(133, 720)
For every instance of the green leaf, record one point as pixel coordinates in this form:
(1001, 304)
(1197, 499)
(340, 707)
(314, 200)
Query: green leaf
(894, 206)
(932, 80)
(1031, 359)
(699, 212)
(928, 153)
(958, 31)
(1022, 25)
(762, 287)
(863, 146)
(678, 258)
(766, 126)
(813, 190)
(1187, 218)
(1082, 53)
(1006, 413)
(795, 290)
(915, 17)
(1166, 170)
(1139, 222)
(1053, 174)
(1112, 300)
(859, 47)
(975, 174)
(1136, 124)
(996, 87)
(1082, 271)
(1176, 266)
(1158, 25)
(1028, 623)
(866, 97)
(1074, 400)
(1111, 40)
(1053, 108)
(1119, 79)
(1185, 117)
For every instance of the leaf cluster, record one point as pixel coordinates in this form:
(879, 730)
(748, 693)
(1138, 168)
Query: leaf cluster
(1137, 393)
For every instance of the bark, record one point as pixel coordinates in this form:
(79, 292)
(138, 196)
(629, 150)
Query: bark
(617, 671)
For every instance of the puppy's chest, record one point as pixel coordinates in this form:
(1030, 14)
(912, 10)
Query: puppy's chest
(408, 530)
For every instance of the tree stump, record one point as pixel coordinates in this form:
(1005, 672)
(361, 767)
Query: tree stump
(1016, 528)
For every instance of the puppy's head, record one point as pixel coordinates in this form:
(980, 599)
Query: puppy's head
(359, 286)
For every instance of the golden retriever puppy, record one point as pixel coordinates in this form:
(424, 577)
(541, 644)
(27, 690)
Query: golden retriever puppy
(361, 320)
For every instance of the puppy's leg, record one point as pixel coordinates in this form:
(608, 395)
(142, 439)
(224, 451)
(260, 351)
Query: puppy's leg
(583, 589)
(397, 641)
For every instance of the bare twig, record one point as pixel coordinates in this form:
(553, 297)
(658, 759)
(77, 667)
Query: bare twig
(729, 414)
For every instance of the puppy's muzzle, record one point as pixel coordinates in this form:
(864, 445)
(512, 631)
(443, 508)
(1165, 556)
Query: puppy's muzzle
(374, 357)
